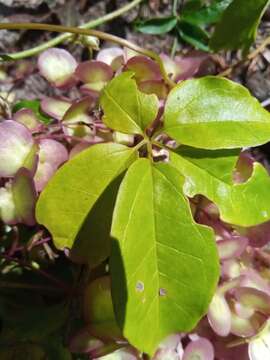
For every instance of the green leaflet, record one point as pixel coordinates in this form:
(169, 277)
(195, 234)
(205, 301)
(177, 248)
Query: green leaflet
(157, 26)
(126, 109)
(219, 163)
(245, 204)
(238, 25)
(92, 250)
(73, 191)
(207, 14)
(193, 35)
(164, 266)
(215, 113)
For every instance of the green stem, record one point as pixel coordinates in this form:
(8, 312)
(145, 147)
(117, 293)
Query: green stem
(175, 6)
(140, 144)
(98, 34)
(61, 38)
(149, 151)
(174, 47)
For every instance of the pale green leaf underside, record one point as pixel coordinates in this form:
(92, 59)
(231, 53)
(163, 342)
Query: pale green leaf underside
(238, 26)
(245, 204)
(215, 113)
(75, 188)
(126, 109)
(164, 266)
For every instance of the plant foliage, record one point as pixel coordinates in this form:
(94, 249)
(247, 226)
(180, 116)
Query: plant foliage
(161, 259)
(134, 217)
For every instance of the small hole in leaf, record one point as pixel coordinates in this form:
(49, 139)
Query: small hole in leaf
(140, 286)
(162, 292)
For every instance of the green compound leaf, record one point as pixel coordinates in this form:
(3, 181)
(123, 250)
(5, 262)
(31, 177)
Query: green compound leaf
(244, 204)
(238, 26)
(215, 113)
(126, 109)
(164, 266)
(74, 190)
(157, 26)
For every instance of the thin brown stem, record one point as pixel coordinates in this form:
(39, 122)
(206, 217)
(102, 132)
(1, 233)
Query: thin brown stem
(63, 37)
(87, 32)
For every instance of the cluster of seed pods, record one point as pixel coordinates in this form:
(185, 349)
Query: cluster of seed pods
(237, 324)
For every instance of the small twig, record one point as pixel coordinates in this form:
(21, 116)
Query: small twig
(249, 58)
(98, 34)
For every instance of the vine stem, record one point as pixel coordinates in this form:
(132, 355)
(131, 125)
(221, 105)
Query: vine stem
(249, 57)
(96, 33)
(61, 38)
(175, 5)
